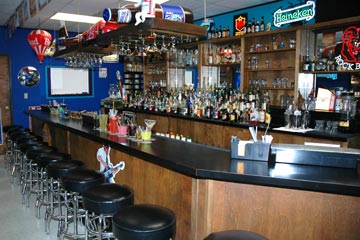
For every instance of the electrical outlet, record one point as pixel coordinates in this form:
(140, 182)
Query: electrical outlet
(26, 95)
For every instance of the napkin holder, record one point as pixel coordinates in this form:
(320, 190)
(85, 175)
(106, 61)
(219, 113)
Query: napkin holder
(248, 150)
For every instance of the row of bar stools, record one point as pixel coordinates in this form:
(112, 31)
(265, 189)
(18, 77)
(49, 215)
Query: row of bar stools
(235, 235)
(101, 202)
(42, 162)
(55, 171)
(74, 184)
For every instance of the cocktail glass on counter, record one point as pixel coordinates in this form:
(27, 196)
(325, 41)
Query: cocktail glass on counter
(150, 123)
(103, 119)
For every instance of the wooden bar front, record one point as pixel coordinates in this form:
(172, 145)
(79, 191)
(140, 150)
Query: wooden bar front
(203, 206)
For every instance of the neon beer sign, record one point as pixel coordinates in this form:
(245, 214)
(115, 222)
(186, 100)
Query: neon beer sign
(303, 12)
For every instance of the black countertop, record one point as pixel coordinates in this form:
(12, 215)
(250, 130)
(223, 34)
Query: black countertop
(204, 162)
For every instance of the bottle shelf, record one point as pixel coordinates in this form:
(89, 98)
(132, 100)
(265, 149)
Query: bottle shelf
(270, 69)
(271, 51)
(330, 72)
(223, 64)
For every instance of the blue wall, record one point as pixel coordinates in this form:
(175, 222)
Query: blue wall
(21, 54)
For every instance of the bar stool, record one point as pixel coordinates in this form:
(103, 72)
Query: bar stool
(12, 135)
(32, 178)
(25, 147)
(7, 146)
(55, 171)
(103, 201)
(42, 162)
(75, 183)
(144, 221)
(235, 235)
(27, 138)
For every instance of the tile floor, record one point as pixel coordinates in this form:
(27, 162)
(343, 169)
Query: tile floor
(18, 222)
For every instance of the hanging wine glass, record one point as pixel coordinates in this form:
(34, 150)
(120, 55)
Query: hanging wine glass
(128, 50)
(143, 47)
(163, 45)
(173, 47)
(136, 51)
(99, 60)
(67, 61)
(153, 48)
(122, 49)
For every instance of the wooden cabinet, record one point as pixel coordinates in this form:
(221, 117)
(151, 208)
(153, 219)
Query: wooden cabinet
(271, 64)
(220, 62)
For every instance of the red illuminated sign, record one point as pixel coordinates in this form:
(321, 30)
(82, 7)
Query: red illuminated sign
(349, 57)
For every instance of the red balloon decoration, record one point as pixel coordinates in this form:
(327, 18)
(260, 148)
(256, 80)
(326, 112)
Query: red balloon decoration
(39, 40)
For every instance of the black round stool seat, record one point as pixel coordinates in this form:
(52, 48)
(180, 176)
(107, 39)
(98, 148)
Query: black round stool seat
(30, 145)
(44, 160)
(59, 168)
(10, 128)
(27, 138)
(235, 235)
(41, 151)
(19, 134)
(13, 131)
(107, 198)
(80, 180)
(144, 221)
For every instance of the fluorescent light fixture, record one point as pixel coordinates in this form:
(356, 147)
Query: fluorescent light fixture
(75, 18)
(156, 1)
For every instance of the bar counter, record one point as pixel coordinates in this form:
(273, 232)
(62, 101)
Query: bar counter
(209, 191)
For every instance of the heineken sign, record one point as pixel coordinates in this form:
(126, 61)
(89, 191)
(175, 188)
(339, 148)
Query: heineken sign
(303, 12)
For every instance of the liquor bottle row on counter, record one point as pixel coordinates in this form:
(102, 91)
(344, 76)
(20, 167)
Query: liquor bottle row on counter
(214, 103)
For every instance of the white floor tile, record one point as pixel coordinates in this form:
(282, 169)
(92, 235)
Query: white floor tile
(17, 221)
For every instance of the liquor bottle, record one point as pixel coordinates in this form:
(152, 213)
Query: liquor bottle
(223, 34)
(267, 113)
(210, 58)
(253, 25)
(262, 24)
(209, 34)
(274, 44)
(257, 26)
(261, 115)
(306, 65)
(219, 32)
(126, 14)
(228, 31)
(233, 115)
(248, 29)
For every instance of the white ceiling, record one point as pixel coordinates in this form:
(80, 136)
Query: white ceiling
(95, 8)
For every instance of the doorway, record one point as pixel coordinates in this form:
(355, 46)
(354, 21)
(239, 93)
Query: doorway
(5, 102)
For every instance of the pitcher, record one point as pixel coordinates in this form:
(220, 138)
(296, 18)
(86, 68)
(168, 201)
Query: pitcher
(113, 124)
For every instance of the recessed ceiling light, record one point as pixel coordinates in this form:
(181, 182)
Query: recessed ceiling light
(75, 18)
